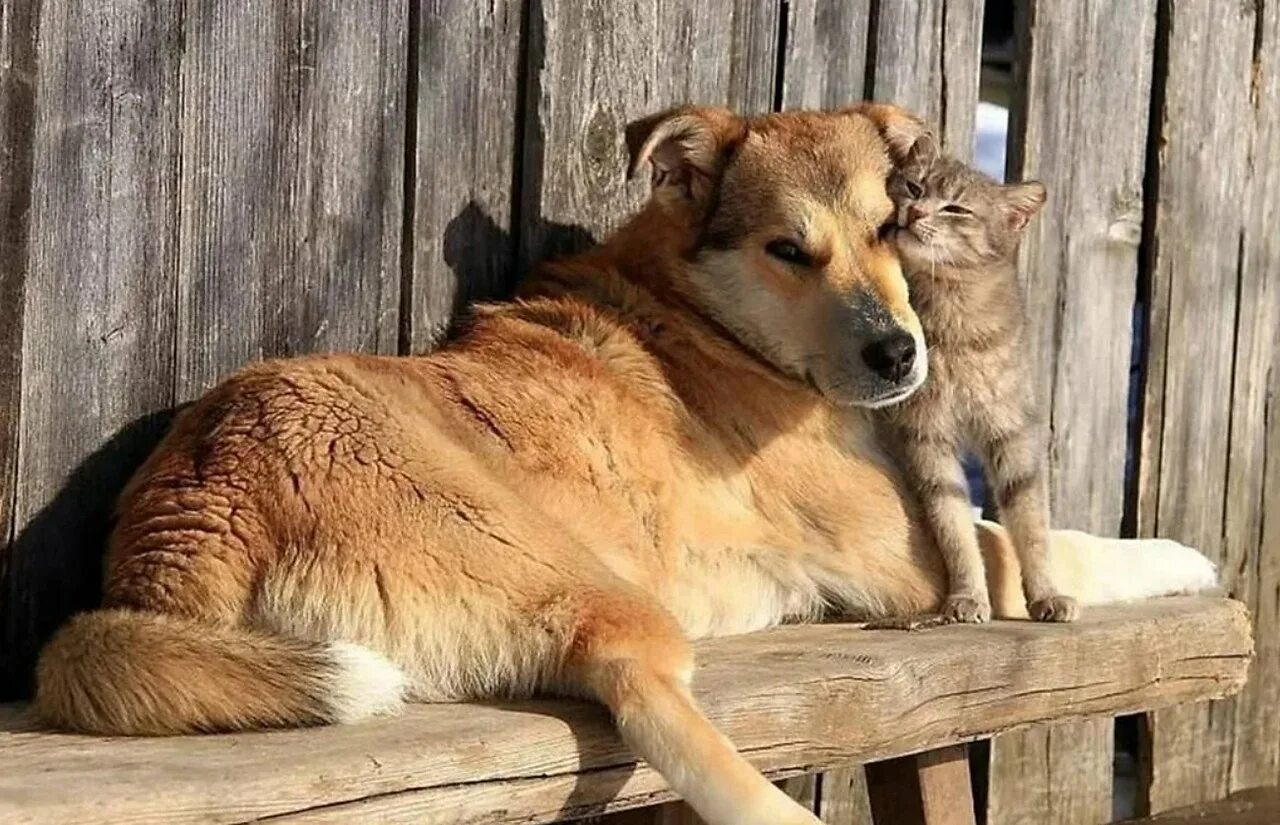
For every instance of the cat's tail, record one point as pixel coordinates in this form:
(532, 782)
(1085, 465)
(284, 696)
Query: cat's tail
(1096, 570)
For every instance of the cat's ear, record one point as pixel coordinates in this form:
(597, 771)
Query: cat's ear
(1023, 201)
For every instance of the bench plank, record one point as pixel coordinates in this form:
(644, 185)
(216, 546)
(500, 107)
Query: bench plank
(795, 699)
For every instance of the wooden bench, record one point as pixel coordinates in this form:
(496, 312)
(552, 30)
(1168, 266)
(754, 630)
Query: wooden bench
(796, 700)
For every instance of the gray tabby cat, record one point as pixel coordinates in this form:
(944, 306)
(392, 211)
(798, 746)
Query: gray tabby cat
(957, 235)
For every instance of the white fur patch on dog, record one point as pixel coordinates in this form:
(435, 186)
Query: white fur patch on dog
(366, 685)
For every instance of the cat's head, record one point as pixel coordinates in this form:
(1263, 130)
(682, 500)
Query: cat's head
(952, 215)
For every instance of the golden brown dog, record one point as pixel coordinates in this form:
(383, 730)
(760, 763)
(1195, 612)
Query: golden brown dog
(664, 438)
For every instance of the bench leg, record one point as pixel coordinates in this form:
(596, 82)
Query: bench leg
(930, 788)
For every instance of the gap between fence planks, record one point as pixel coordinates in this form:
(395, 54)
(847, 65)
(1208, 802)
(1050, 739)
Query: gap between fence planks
(930, 788)
(795, 700)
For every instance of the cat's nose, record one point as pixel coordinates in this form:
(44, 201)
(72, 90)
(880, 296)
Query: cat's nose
(915, 213)
(892, 357)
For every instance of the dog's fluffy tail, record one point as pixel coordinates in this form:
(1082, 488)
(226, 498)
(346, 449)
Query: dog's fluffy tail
(1097, 570)
(138, 673)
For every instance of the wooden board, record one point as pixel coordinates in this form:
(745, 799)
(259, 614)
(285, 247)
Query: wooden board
(825, 60)
(17, 112)
(463, 153)
(843, 798)
(211, 187)
(291, 182)
(1198, 283)
(1260, 806)
(824, 65)
(1079, 266)
(97, 341)
(795, 699)
(582, 92)
(926, 55)
(1252, 517)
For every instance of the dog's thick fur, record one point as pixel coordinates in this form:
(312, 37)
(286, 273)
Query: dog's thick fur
(661, 440)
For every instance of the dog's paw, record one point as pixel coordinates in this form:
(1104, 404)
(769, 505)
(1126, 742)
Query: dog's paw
(962, 607)
(1054, 609)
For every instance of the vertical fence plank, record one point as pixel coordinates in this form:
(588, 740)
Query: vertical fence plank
(926, 55)
(17, 112)
(1080, 268)
(825, 65)
(595, 66)
(844, 799)
(467, 101)
(291, 182)
(592, 68)
(1197, 276)
(1252, 528)
(97, 344)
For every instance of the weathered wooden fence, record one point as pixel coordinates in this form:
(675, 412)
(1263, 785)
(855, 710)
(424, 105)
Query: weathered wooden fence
(187, 186)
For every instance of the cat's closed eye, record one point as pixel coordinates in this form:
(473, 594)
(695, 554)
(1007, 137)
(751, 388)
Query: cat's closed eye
(914, 189)
(956, 209)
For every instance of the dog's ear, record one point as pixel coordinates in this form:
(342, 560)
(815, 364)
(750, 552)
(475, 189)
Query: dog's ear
(924, 152)
(1023, 201)
(687, 148)
(900, 129)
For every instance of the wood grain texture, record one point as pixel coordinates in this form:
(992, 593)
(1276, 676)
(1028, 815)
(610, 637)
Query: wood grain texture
(582, 91)
(1251, 540)
(826, 53)
(795, 699)
(17, 112)
(292, 146)
(930, 788)
(1083, 133)
(97, 341)
(843, 798)
(825, 66)
(1260, 806)
(804, 789)
(926, 56)
(1194, 434)
(467, 81)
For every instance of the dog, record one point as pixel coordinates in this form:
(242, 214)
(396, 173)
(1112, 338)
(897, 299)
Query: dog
(662, 438)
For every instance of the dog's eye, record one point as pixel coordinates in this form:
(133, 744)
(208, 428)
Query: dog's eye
(956, 209)
(788, 251)
(886, 229)
(913, 189)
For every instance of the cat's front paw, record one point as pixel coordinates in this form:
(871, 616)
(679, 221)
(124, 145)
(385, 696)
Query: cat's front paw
(962, 607)
(1054, 609)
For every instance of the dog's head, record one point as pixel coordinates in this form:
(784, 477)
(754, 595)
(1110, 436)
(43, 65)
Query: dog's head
(789, 218)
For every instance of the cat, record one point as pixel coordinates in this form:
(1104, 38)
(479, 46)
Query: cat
(957, 234)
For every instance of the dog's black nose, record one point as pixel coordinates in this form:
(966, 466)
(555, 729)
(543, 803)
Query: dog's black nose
(891, 358)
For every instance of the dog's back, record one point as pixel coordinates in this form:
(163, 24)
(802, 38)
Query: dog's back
(557, 500)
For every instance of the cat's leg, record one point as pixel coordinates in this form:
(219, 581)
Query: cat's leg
(1017, 475)
(944, 496)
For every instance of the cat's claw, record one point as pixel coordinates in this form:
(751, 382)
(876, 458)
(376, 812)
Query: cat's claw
(966, 609)
(1054, 609)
